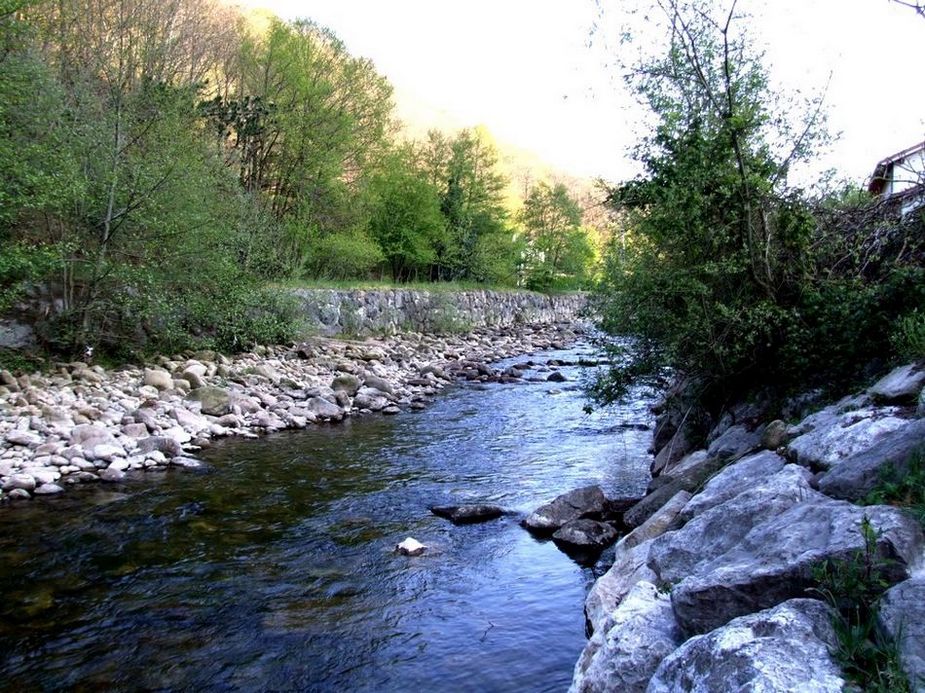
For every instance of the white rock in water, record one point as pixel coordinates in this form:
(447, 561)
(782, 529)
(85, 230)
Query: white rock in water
(48, 490)
(411, 547)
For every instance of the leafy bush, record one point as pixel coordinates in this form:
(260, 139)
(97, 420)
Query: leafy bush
(342, 255)
(908, 337)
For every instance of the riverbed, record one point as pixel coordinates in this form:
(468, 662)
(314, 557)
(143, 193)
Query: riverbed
(273, 568)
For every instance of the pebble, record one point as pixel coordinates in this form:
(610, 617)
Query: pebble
(82, 424)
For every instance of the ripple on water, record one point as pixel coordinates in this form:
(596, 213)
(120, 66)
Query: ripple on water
(276, 568)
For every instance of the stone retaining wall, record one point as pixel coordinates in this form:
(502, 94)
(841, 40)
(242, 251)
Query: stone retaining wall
(389, 311)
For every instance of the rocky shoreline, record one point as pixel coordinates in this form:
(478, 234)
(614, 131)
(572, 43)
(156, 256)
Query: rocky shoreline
(739, 554)
(83, 424)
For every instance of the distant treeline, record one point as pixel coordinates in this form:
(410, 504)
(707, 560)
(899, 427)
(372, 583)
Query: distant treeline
(161, 161)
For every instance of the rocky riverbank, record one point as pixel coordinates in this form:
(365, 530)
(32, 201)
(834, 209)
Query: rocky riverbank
(83, 424)
(737, 557)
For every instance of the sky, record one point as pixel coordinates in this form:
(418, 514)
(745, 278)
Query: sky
(541, 75)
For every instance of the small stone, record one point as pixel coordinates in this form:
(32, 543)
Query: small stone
(466, 514)
(24, 438)
(556, 377)
(410, 547)
(112, 475)
(775, 435)
(18, 494)
(48, 490)
(25, 482)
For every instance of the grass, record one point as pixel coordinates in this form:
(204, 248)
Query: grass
(903, 489)
(853, 588)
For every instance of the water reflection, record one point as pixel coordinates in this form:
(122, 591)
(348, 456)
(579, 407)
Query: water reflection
(273, 568)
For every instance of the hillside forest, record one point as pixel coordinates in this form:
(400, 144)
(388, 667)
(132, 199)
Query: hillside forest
(164, 163)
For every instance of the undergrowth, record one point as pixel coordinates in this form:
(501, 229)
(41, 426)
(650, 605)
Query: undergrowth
(853, 588)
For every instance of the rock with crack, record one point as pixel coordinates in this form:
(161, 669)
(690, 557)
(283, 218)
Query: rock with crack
(786, 648)
(642, 632)
(585, 502)
(775, 559)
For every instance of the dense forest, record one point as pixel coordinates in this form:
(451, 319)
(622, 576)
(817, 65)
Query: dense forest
(162, 163)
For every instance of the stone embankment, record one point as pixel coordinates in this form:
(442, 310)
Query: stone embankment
(716, 585)
(389, 311)
(81, 423)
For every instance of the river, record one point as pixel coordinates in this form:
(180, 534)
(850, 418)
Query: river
(274, 569)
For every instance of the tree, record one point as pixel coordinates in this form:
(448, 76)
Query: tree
(405, 219)
(716, 240)
(558, 248)
(472, 201)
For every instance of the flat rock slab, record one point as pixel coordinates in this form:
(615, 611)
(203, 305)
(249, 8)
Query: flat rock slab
(774, 561)
(740, 476)
(642, 633)
(467, 514)
(902, 617)
(857, 475)
(734, 442)
(786, 648)
(588, 501)
(900, 386)
(841, 436)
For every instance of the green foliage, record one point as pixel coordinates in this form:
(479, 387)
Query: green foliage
(405, 220)
(908, 337)
(559, 253)
(22, 265)
(853, 588)
(903, 487)
(722, 272)
(342, 255)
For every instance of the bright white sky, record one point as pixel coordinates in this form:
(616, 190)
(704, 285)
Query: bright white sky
(533, 72)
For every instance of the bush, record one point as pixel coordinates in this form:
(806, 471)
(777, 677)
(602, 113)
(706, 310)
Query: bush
(344, 255)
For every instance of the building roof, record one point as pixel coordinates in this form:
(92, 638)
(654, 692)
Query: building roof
(881, 173)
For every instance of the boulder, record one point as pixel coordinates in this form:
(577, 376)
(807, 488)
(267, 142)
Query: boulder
(377, 383)
(902, 617)
(900, 386)
(215, 400)
(467, 514)
(190, 421)
(586, 502)
(26, 482)
(786, 648)
(642, 634)
(856, 476)
(677, 447)
(370, 398)
(659, 522)
(323, 408)
(776, 434)
(734, 479)
(629, 567)
(718, 529)
(556, 377)
(155, 377)
(735, 442)
(688, 480)
(49, 489)
(192, 377)
(842, 436)
(163, 444)
(346, 382)
(88, 436)
(774, 561)
(585, 535)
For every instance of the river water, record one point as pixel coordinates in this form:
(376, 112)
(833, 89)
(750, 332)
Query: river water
(274, 568)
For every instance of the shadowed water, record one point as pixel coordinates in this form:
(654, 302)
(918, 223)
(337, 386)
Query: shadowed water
(274, 568)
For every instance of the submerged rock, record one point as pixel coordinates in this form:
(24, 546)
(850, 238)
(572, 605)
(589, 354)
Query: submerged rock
(467, 514)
